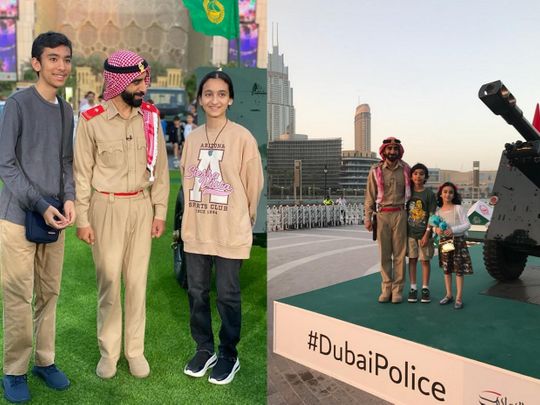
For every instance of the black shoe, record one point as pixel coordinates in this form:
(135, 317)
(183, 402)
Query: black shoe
(413, 295)
(200, 363)
(425, 295)
(224, 371)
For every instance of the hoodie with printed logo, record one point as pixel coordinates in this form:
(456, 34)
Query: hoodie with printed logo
(222, 183)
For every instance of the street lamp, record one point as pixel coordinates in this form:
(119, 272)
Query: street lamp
(282, 193)
(325, 171)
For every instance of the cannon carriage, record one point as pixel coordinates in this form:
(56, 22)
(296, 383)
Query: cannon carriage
(514, 231)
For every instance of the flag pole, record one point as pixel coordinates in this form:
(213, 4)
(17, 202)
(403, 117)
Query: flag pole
(238, 47)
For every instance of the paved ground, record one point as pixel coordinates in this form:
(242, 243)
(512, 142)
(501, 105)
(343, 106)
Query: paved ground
(301, 261)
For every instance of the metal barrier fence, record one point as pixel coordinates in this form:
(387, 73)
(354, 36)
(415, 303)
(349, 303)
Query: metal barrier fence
(283, 217)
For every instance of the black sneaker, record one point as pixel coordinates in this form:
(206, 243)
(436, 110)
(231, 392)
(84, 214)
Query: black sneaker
(200, 363)
(425, 295)
(413, 295)
(224, 371)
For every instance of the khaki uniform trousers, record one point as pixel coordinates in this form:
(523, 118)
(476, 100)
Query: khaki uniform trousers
(122, 227)
(29, 269)
(392, 237)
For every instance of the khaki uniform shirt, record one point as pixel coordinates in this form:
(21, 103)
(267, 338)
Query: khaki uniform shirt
(110, 156)
(394, 188)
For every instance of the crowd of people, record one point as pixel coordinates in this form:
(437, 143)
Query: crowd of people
(400, 211)
(112, 182)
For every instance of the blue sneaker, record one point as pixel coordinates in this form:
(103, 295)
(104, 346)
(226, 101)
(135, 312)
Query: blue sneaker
(53, 377)
(16, 388)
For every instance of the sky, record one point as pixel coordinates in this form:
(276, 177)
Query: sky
(418, 64)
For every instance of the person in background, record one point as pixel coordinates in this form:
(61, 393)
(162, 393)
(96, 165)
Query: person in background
(88, 102)
(176, 137)
(189, 125)
(162, 119)
(193, 110)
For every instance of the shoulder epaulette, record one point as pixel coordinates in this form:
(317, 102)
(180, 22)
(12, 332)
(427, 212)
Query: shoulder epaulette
(93, 112)
(149, 107)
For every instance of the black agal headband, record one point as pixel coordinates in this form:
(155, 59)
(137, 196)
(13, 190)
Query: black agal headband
(140, 67)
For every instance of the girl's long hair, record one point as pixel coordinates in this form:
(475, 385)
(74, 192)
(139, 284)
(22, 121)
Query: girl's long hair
(457, 196)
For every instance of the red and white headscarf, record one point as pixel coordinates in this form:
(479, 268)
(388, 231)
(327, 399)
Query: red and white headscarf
(121, 68)
(391, 140)
(379, 179)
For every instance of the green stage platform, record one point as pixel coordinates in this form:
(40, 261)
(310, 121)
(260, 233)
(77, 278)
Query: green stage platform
(498, 331)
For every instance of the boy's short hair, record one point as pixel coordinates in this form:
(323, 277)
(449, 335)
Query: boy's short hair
(176, 118)
(421, 167)
(49, 39)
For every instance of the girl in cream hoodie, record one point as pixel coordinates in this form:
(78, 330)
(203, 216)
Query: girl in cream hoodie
(222, 182)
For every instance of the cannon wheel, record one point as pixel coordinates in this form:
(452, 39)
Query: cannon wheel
(502, 262)
(179, 257)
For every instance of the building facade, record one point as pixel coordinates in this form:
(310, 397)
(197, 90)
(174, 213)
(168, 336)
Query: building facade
(354, 172)
(156, 29)
(320, 167)
(465, 182)
(281, 116)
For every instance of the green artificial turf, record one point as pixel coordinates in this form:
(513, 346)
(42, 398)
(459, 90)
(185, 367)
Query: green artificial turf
(168, 341)
(493, 330)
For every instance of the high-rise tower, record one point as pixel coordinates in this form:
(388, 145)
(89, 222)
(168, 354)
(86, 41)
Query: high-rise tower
(362, 129)
(281, 117)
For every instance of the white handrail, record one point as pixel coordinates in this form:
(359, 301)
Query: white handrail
(283, 217)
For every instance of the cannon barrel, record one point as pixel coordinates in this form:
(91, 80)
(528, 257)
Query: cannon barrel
(501, 102)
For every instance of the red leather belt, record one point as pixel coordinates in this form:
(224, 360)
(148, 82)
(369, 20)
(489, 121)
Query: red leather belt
(129, 194)
(390, 209)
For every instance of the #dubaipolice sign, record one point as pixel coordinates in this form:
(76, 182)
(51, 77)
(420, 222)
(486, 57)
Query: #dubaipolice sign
(395, 369)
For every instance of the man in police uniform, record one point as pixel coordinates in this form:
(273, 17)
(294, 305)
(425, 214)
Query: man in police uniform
(122, 183)
(388, 189)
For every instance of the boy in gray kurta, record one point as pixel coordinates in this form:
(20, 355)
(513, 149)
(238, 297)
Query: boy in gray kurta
(32, 133)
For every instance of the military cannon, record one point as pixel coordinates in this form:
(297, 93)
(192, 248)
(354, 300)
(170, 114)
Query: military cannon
(514, 231)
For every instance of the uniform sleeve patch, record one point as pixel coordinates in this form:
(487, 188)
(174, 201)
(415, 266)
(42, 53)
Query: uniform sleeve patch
(93, 112)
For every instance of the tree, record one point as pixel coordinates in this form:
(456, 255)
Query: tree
(28, 72)
(6, 88)
(158, 68)
(190, 84)
(94, 62)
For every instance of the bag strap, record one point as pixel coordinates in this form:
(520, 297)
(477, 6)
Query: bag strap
(61, 105)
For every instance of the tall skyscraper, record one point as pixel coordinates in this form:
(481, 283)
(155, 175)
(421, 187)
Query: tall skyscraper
(362, 129)
(280, 97)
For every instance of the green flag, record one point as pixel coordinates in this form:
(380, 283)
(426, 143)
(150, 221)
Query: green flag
(214, 17)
